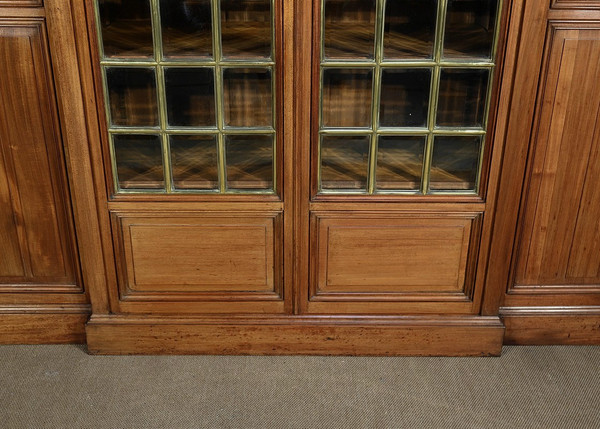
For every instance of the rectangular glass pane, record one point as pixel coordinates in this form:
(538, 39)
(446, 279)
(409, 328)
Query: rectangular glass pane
(400, 162)
(347, 97)
(126, 28)
(409, 29)
(132, 95)
(248, 97)
(190, 96)
(454, 163)
(404, 97)
(139, 161)
(349, 29)
(463, 95)
(344, 162)
(470, 28)
(249, 162)
(246, 28)
(194, 162)
(186, 28)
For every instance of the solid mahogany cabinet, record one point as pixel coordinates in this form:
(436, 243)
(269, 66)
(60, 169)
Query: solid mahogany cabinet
(378, 177)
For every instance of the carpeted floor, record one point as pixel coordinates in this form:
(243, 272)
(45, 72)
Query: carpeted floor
(528, 387)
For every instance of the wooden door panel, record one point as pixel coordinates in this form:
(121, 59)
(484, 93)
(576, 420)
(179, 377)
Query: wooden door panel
(197, 253)
(392, 255)
(560, 239)
(35, 215)
(365, 259)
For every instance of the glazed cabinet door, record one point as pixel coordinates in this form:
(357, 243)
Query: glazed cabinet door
(191, 97)
(272, 156)
(397, 139)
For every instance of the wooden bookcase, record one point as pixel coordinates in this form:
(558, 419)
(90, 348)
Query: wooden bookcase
(353, 177)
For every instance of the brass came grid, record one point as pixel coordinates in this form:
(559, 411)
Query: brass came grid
(159, 63)
(435, 64)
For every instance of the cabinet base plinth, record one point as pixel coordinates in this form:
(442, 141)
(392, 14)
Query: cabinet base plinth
(551, 325)
(43, 325)
(297, 335)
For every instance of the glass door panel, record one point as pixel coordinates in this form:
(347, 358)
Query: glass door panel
(404, 95)
(190, 94)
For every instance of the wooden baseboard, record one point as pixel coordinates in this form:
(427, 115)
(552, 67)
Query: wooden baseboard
(551, 325)
(43, 324)
(297, 335)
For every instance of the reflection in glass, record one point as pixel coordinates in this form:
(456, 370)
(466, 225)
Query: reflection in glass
(194, 162)
(246, 28)
(454, 163)
(186, 28)
(470, 27)
(409, 29)
(404, 97)
(248, 98)
(139, 161)
(344, 162)
(463, 94)
(249, 161)
(190, 97)
(400, 162)
(347, 97)
(126, 28)
(349, 29)
(132, 94)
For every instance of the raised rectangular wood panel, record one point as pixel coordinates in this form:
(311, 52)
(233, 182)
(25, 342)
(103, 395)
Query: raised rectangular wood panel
(185, 253)
(575, 4)
(560, 237)
(392, 254)
(21, 3)
(35, 217)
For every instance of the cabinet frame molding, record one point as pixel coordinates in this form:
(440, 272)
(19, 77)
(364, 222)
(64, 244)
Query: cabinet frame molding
(112, 330)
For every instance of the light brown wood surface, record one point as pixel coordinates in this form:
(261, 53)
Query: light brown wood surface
(42, 297)
(390, 254)
(36, 230)
(474, 336)
(201, 254)
(298, 272)
(544, 263)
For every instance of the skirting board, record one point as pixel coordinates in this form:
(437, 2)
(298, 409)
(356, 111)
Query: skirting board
(551, 325)
(43, 325)
(297, 335)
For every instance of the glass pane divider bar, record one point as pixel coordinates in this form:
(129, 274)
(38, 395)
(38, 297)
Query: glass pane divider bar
(434, 94)
(376, 96)
(408, 64)
(219, 97)
(174, 63)
(160, 89)
(191, 131)
(402, 131)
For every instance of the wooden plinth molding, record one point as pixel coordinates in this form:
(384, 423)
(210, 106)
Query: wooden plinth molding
(297, 335)
(551, 325)
(60, 324)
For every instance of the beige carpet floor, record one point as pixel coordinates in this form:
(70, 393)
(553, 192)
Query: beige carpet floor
(528, 387)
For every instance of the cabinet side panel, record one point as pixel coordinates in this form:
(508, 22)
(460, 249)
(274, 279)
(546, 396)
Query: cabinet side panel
(33, 175)
(10, 263)
(560, 241)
